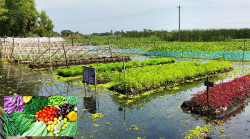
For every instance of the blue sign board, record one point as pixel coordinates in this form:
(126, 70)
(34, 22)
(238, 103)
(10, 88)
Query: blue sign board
(89, 75)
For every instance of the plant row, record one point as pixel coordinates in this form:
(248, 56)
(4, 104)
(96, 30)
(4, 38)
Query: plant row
(148, 77)
(78, 70)
(225, 94)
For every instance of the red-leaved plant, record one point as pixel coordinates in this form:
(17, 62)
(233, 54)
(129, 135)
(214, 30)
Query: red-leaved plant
(224, 94)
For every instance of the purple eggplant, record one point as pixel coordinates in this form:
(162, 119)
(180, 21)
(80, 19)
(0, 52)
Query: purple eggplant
(10, 102)
(22, 108)
(21, 102)
(12, 109)
(17, 100)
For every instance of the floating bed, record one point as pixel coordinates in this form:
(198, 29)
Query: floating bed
(77, 62)
(224, 99)
(102, 68)
(139, 80)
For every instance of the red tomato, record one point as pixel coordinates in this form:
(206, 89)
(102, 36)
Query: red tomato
(37, 113)
(40, 115)
(51, 107)
(49, 113)
(45, 107)
(51, 119)
(55, 108)
(36, 116)
(40, 111)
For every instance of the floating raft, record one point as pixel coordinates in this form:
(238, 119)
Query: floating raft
(224, 99)
(79, 62)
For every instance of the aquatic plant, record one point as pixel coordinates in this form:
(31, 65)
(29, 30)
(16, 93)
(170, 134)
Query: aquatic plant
(149, 77)
(224, 94)
(198, 132)
(78, 70)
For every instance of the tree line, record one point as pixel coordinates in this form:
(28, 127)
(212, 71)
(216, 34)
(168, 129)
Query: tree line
(20, 18)
(204, 35)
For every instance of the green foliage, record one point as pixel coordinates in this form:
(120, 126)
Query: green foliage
(66, 33)
(186, 35)
(20, 18)
(198, 132)
(2, 10)
(45, 25)
(77, 70)
(149, 77)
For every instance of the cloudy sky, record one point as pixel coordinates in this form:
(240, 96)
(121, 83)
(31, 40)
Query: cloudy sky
(88, 16)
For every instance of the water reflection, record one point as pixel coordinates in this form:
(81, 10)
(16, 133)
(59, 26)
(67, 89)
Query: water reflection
(90, 104)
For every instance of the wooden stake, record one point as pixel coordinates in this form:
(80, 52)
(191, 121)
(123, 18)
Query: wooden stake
(65, 56)
(124, 68)
(96, 72)
(244, 50)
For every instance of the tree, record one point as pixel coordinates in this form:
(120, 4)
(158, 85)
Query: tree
(2, 10)
(19, 18)
(44, 25)
(66, 33)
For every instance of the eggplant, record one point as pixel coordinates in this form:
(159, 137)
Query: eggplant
(64, 105)
(12, 109)
(21, 101)
(22, 108)
(17, 100)
(10, 102)
(71, 106)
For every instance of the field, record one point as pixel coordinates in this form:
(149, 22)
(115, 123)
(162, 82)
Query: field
(153, 44)
(149, 90)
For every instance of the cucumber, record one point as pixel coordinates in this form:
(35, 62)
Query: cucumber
(45, 132)
(39, 131)
(39, 125)
(30, 130)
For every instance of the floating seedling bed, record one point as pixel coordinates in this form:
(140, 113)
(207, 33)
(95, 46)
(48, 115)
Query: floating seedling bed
(78, 62)
(224, 99)
(140, 80)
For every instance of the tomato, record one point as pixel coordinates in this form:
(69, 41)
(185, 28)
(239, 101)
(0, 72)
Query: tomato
(45, 107)
(37, 113)
(51, 107)
(55, 108)
(49, 113)
(51, 118)
(40, 111)
(36, 116)
(40, 115)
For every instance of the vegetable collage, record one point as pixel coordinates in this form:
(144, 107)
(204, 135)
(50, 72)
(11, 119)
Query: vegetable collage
(40, 116)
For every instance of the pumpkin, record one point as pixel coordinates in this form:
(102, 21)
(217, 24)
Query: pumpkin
(26, 99)
(72, 116)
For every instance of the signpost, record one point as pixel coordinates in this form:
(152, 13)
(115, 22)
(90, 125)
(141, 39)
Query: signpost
(208, 84)
(89, 75)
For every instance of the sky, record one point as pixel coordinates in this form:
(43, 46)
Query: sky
(95, 16)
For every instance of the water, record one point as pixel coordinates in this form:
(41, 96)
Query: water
(156, 116)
